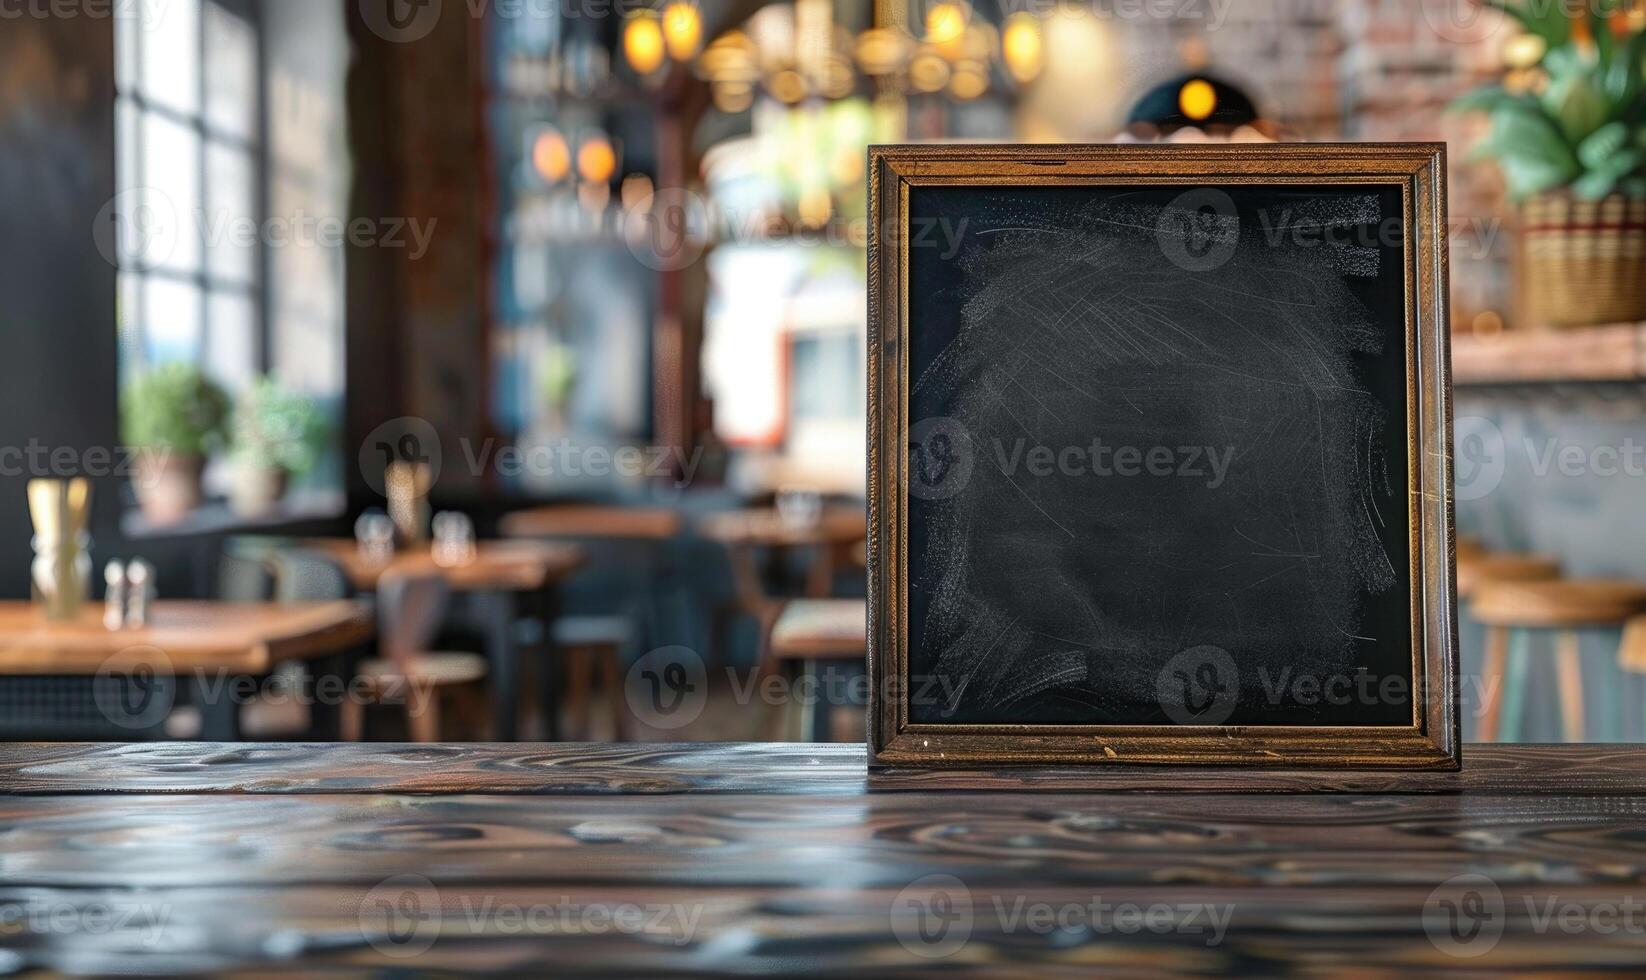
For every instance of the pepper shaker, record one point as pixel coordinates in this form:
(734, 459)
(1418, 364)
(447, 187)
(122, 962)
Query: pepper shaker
(140, 593)
(114, 595)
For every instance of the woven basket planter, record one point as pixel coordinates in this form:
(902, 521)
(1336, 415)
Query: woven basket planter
(1584, 261)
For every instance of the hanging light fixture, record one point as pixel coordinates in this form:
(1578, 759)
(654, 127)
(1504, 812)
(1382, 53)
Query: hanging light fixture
(682, 29)
(1022, 47)
(643, 43)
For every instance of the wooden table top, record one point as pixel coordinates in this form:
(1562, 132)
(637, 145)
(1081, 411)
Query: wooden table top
(763, 526)
(822, 629)
(650, 860)
(593, 521)
(188, 635)
(501, 566)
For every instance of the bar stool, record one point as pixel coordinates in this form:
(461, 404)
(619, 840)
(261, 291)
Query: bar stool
(1512, 610)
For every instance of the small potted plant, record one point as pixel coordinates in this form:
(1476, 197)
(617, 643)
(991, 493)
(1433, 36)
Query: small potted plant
(277, 435)
(1568, 130)
(174, 417)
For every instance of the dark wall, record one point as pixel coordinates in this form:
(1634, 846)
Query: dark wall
(57, 310)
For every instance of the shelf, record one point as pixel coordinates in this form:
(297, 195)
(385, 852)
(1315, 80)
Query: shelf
(1615, 352)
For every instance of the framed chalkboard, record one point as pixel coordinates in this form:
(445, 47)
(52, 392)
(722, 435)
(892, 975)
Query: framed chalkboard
(1160, 464)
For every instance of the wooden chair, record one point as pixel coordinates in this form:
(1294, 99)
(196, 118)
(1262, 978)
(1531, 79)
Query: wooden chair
(586, 645)
(410, 611)
(1512, 611)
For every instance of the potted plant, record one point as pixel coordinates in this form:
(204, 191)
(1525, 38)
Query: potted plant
(1568, 129)
(277, 435)
(174, 417)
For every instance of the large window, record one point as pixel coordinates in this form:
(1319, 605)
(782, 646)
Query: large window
(190, 150)
(233, 188)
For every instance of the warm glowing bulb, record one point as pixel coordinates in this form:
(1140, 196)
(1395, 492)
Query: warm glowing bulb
(551, 156)
(643, 43)
(596, 160)
(945, 27)
(682, 29)
(1021, 45)
(1523, 50)
(1197, 99)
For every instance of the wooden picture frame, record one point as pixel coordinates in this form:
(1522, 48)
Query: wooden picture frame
(1411, 174)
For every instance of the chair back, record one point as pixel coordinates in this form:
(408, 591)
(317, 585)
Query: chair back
(246, 571)
(307, 576)
(410, 608)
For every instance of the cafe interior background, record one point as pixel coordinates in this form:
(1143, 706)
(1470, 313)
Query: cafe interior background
(591, 276)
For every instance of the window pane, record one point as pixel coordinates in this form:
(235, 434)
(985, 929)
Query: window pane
(231, 351)
(171, 175)
(130, 339)
(171, 318)
(231, 224)
(169, 53)
(231, 73)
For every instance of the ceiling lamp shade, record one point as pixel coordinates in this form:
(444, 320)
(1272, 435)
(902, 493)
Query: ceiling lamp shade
(1197, 100)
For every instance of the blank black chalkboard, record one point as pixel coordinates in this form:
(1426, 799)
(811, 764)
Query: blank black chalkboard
(1158, 466)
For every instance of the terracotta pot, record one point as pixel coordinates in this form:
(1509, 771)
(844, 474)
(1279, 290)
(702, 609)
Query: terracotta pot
(256, 490)
(168, 485)
(1584, 262)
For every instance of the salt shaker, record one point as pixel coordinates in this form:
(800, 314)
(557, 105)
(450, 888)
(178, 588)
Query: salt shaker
(139, 593)
(114, 595)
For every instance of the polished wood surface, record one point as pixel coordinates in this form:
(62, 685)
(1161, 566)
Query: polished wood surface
(499, 566)
(1570, 604)
(822, 628)
(593, 521)
(792, 859)
(189, 635)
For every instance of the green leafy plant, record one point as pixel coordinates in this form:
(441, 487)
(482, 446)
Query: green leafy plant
(173, 406)
(277, 428)
(1583, 124)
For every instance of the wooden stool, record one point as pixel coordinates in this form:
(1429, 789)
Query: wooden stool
(809, 634)
(1511, 610)
(586, 644)
(411, 608)
(1480, 567)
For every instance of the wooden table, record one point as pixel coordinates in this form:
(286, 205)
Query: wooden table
(808, 636)
(205, 642)
(593, 521)
(506, 566)
(500, 573)
(696, 860)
